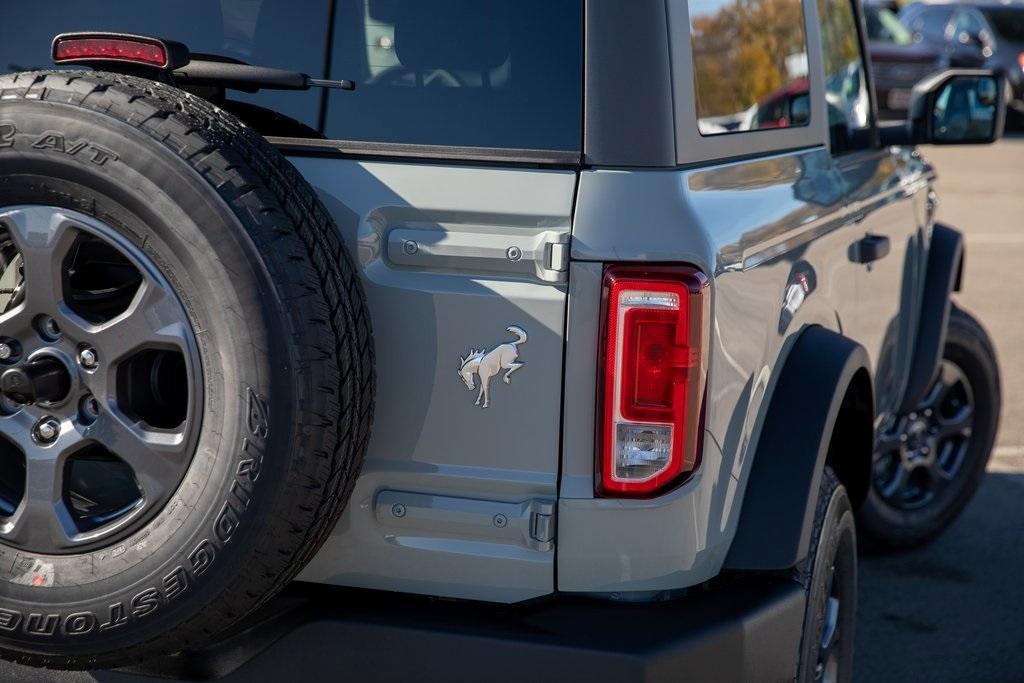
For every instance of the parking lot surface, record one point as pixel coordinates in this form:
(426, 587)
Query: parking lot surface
(951, 611)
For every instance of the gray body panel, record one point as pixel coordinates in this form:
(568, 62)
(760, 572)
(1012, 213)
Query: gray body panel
(757, 226)
(429, 308)
(463, 502)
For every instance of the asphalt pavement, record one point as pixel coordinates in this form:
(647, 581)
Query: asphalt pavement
(954, 610)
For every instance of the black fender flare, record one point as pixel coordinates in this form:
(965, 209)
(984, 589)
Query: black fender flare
(777, 513)
(943, 276)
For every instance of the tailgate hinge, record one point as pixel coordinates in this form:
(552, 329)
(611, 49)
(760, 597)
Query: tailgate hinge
(542, 523)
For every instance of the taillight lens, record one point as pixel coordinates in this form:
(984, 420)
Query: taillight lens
(655, 369)
(69, 49)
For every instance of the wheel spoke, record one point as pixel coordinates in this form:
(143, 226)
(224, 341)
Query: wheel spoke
(156, 458)
(896, 482)
(43, 236)
(889, 440)
(43, 520)
(16, 321)
(153, 320)
(948, 461)
(958, 424)
(935, 395)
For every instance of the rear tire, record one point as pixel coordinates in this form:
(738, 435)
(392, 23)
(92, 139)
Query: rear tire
(830, 577)
(894, 518)
(274, 310)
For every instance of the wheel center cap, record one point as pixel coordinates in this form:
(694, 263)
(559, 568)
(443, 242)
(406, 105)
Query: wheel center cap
(917, 434)
(45, 380)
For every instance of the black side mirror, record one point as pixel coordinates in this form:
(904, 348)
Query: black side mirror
(952, 107)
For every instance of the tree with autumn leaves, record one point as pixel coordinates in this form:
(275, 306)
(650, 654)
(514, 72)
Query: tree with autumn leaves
(740, 52)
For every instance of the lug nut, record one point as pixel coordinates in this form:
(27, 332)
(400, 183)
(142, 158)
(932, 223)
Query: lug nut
(88, 359)
(50, 329)
(6, 351)
(46, 430)
(90, 409)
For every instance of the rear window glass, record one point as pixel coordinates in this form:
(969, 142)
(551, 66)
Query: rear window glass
(282, 33)
(475, 73)
(750, 64)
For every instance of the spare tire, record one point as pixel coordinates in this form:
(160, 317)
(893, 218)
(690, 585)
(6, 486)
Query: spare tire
(187, 370)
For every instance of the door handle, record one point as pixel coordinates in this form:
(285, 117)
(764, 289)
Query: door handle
(870, 248)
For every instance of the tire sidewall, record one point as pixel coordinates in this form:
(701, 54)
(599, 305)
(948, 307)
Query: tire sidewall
(147, 583)
(835, 545)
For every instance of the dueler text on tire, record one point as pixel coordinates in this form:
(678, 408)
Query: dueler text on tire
(186, 370)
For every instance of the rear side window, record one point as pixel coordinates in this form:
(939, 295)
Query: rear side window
(750, 65)
(280, 33)
(473, 73)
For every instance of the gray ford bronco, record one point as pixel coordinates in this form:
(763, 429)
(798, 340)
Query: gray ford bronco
(386, 339)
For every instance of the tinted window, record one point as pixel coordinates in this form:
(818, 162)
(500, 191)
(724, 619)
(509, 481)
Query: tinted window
(281, 33)
(494, 73)
(1008, 23)
(846, 91)
(931, 22)
(884, 27)
(750, 64)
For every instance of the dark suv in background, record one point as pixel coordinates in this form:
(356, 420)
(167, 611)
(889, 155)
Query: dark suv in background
(897, 60)
(987, 34)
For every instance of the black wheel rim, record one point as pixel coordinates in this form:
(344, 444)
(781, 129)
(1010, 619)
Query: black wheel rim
(100, 383)
(923, 454)
(829, 650)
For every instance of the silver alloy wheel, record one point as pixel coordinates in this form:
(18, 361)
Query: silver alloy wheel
(918, 458)
(127, 417)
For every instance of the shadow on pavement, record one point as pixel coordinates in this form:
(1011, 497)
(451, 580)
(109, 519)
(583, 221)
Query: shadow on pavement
(952, 610)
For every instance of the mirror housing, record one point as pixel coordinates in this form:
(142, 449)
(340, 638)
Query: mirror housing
(952, 107)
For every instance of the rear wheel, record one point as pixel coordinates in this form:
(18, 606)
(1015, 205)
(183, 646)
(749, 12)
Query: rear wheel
(830, 576)
(929, 463)
(186, 380)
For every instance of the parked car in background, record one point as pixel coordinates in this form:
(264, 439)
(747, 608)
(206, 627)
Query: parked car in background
(987, 33)
(897, 60)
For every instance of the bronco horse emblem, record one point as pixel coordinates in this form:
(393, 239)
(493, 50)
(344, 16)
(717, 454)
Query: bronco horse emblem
(487, 364)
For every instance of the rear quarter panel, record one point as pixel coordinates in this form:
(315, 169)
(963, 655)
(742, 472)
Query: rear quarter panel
(774, 234)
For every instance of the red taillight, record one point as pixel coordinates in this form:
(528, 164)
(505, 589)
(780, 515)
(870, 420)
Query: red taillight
(123, 49)
(655, 368)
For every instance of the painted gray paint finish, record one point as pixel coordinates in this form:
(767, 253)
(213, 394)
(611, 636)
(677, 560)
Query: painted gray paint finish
(433, 246)
(775, 233)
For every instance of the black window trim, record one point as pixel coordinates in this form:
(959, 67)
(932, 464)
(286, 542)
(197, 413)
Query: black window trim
(394, 151)
(874, 139)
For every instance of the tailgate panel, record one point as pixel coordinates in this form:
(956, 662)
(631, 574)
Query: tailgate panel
(452, 257)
